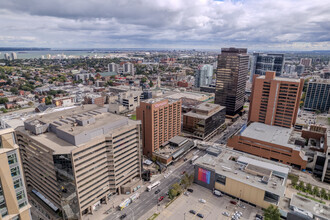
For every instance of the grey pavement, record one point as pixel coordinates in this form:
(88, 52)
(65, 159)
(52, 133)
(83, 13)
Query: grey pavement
(147, 204)
(212, 209)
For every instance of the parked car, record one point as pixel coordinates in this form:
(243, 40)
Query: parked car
(259, 216)
(161, 198)
(157, 191)
(192, 212)
(200, 215)
(225, 214)
(233, 202)
(186, 193)
(122, 216)
(242, 206)
(190, 190)
(202, 200)
(183, 172)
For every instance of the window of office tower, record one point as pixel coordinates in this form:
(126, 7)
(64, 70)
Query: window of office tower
(3, 206)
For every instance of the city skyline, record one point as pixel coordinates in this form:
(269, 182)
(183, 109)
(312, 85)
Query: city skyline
(207, 24)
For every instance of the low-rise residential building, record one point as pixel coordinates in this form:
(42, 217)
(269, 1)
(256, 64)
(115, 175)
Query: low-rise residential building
(125, 102)
(94, 99)
(84, 76)
(64, 101)
(248, 178)
(75, 159)
(204, 120)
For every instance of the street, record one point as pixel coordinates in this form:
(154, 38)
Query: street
(149, 200)
(231, 130)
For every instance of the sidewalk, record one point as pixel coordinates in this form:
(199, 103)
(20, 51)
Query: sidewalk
(115, 200)
(113, 203)
(308, 178)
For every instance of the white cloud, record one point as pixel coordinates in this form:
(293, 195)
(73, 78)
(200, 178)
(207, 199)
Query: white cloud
(256, 24)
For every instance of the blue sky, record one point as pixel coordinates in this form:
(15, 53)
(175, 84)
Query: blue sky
(198, 24)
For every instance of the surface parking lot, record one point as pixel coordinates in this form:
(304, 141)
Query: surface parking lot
(212, 209)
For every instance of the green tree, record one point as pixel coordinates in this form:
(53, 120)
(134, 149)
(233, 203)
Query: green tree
(3, 100)
(272, 213)
(294, 182)
(316, 191)
(309, 188)
(191, 179)
(151, 84)
(144, 79)
(301, 186)
(109, 83)
(177, 187)
(324, 194)
(30, 103)
(185, 181)
(48, 100)
(9, 82)
(172, 193)
(14, 90)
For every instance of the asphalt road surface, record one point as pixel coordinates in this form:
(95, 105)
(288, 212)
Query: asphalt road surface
(231, 130)
(149, 200)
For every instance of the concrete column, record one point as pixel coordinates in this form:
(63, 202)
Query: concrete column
(106, 199)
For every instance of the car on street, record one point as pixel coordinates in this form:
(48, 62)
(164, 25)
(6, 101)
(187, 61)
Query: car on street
(186, 193)
(192, 212)
(233, 202)
(190, 190)
(122, 216)
(200, 215)
(161, 198)
(183, 172)
(202, 201)
(226, 214)
(259, 216)
(157, 191)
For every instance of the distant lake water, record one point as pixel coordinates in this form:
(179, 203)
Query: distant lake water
(39, 54)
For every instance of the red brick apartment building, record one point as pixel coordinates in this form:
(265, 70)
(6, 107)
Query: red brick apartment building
(161, 120)
(275, 100)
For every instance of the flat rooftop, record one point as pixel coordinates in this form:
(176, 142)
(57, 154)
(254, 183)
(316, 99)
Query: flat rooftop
(155, 100)
(189, 95)
(65, 130)
(282, 79)
(208, 108)
(233, 164)
(305, 204)
(268, 133)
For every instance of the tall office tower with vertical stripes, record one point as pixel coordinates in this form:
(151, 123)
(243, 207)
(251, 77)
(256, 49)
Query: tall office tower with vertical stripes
(232, 73)
(13, 198)
(275, 100)
(318, 95)
(76, 159)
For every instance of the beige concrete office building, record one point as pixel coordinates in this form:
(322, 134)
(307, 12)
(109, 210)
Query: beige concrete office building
(75, 159)
(13, 197)
(250, 179)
